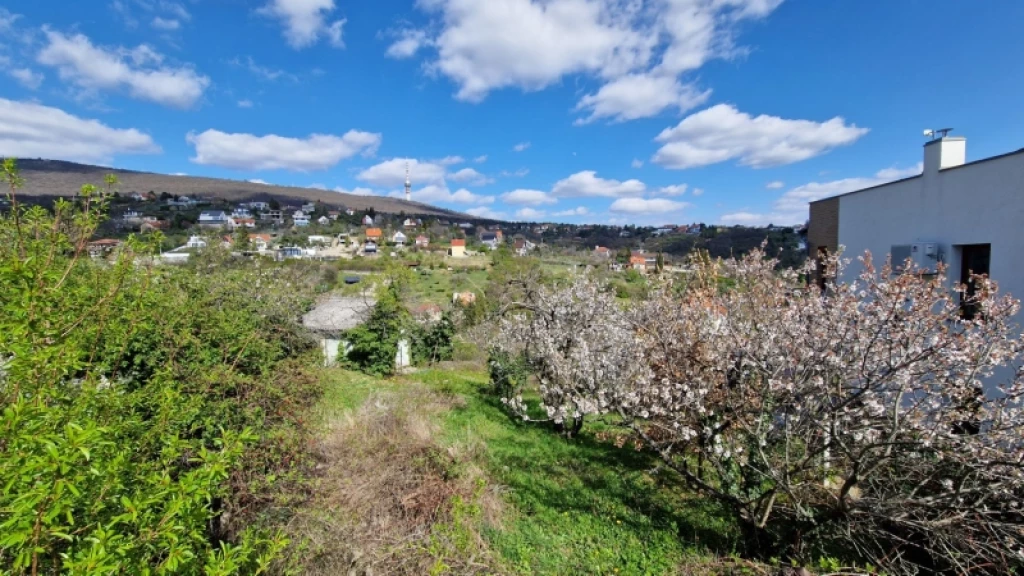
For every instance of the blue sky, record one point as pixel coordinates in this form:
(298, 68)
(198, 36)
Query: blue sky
(605, 111)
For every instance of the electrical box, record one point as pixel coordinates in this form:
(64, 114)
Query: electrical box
(924, 256)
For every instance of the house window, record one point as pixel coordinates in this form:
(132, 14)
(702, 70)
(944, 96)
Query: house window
(974, 261)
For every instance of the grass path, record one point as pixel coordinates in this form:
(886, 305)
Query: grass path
(582, 506)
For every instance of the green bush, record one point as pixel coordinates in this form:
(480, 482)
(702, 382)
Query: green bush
(140, 403)
(508, 372)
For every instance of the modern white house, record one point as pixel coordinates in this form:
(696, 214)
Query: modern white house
(213, 219)
(967, 215)
(399, 239)
(195, 242)
(300, 218)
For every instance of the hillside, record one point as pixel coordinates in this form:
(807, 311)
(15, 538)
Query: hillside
(60, 178)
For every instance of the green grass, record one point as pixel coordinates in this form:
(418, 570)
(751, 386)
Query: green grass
(437, 286)
(579, 506)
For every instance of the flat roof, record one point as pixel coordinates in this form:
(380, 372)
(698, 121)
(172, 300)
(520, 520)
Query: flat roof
(964, 165)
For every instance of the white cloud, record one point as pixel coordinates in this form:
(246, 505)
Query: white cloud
(471, 177)
(530, 214)
(485, 212)
(698, 192)
(273, 152)
(514, 174)
(533, 44)
(441, 194)
(305, 21)
(527, 197)
(264, 72)
(722, 133)
(165, 23)
(791, 207)
(358, 191)
(30, 130)
(451, 160)
(637, 163)
(646, 206)
(521, 146)
(258, 181)
(775, 185)
(139, 71)
(640, 96)
(27, 78)
(579, 211)
(7, 19)
(392, 173)
(480, 159)
(587, 183)
(409, 42)
(245, 103)
(674, 190)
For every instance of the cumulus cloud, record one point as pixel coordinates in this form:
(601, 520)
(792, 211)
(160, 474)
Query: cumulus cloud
(637, 163)
(521, 146)
(357, 191)
(698, 192)
(639, 96)
(646, 206)
(451, 160)
(305, 22)
(471, 177)
(775, 185)
(480, 159)
(441, 194)
(531, 214)
(527, 197)
(409, 42)
(722, 133)
(578, 211)
(791, 207)
(27, 77)
(272, 152)
(391, 173)
(140, 71)
(263, 72)
(514, 173)
(31, 130)
(485, 212)
(245, 103)
(587, 183)
(674, 190)
(637, 50)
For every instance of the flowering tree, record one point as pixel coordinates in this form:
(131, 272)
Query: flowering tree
(856, 414)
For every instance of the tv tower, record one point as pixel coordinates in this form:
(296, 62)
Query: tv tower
(408, 184)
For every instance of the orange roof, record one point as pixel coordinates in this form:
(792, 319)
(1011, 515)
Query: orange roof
(458, 242)
(374, 233)
(264, 237)
(637, 260)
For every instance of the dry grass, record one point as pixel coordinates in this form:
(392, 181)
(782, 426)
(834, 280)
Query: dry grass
(391, 499)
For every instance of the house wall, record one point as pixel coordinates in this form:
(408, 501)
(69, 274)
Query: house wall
(981, 203)
(823, 228)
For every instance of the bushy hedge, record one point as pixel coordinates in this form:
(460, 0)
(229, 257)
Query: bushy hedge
(147, 412)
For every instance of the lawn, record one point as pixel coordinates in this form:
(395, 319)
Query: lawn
(581, 506)
(437, 286)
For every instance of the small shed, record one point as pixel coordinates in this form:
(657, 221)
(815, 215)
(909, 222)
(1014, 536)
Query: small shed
(332, 317)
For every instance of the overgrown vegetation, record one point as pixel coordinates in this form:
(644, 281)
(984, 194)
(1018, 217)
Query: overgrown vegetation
(150, 415)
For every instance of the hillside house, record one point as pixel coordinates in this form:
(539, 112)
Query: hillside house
(643, 261)
(367, 220)
(375, 234)
(150, 225)
(260, 206)
(196, 242)
(234, 223)
(422, 241)
(319, 239)
(602, 252)
(399, 239)
(369, 247)
(241, 213)
(131, 216)
(458, 248)
(350, 212)
(213, 219)
(489, 239)
(323, 220)
(300, 219)
(333, 214)
(309, 207)
(275, 216)
(410, 224)
(521, 246)
(138, 197)
(103, 247)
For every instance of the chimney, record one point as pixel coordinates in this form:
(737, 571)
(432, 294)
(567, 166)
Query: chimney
(944, 152)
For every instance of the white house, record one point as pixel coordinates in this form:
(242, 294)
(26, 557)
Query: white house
(131, 215)
(399, 239)
(967, 215)
(138, 197)
(214, 219)
(367, 220)
(350, 212)
(195, 242)
(300, 218)
(323, 220)
(241, 213)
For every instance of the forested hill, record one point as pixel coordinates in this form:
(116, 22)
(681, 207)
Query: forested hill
(61, 178)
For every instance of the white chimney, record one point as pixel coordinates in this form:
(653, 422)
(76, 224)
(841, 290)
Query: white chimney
(945, 152)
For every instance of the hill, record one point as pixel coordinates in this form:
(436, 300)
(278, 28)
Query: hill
(45, 178)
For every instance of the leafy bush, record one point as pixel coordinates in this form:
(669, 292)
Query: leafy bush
(434, 341)
(140, 403)
(508, 372)
(374, 344)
